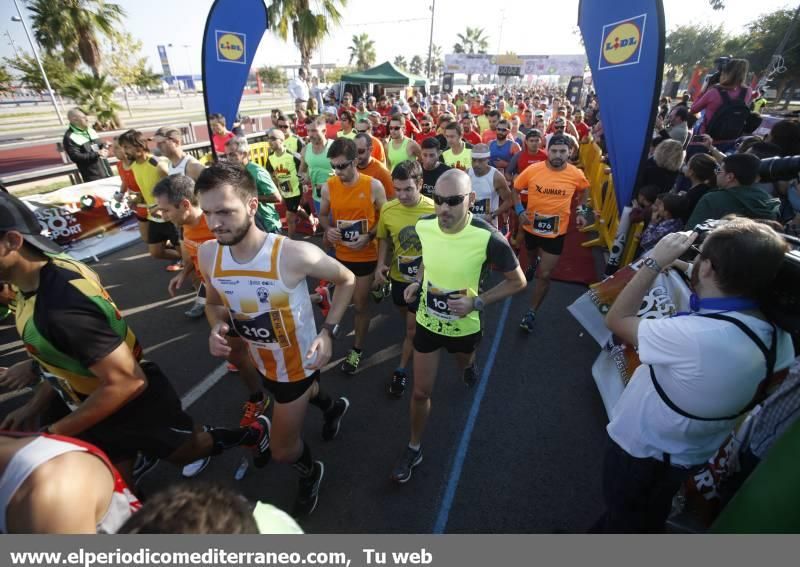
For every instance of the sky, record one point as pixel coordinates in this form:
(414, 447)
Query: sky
(181, 22)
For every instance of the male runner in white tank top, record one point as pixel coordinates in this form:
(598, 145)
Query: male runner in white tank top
(168, 141)
(492, 195)
(258, 291)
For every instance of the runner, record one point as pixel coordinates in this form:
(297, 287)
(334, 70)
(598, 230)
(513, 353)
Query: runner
(110, 396)
(350, 206)
(502, 148)
(315, 167)
(59, 485)
(531, 153)
(398, 146)
(432, 167)
(492, 195)
(148, 170)
(268, 219)
(450, 306)
(347, 121)
(458, 153)
(178, 202)
(368, 165)
(426, 129)
(283, 166)
(551, 185)
(397, 233)
(378, 151)
(469, 134)
(168, 141)
(273, 316)
(292, 143)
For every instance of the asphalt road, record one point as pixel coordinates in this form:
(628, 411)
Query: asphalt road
(519, 453)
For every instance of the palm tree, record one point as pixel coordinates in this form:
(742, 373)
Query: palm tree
(416, 65)
(400, 62)
(363, 51)
(71, 27)
(471, 41)
(5, 80)
(308, 28)
(95, 95)
(437, 61)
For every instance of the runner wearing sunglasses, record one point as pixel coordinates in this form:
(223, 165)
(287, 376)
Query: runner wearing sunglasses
(449, 313)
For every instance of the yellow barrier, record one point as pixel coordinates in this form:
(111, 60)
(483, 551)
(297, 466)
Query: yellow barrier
(259, 153)
(602, 198)
(206, 159)
(632, 243)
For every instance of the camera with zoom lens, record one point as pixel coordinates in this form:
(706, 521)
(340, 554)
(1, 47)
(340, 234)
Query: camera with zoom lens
(782, 304)
(779, 169)
(719, 64)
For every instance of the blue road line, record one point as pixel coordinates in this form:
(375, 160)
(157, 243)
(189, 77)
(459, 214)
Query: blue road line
(466, 436)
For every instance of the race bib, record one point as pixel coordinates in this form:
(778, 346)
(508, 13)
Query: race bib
(408, 266)
(64, 389)
(265, 330)
(481, 207)
(545, 225)
(285, 187)
(351, 230)
(436, 302)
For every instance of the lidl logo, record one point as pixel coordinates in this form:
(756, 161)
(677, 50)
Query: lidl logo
(231, 47)
(622, 43)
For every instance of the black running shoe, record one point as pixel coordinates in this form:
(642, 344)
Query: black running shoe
(398, 384)
(409, 460)
(528, 321)
(470, 375)
(143, 465)
(308, 492)
(333, 418)
(261, 452)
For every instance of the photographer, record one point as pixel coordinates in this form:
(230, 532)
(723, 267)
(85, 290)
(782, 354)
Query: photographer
(699, 371)
(729, 100)
(84, 147)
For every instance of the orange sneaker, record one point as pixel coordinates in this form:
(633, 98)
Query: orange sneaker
(232, 368)
(252, 410)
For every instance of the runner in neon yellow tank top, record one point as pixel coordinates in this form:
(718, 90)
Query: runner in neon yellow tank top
(450, 301)
(399, 147)
(459, 154)
(284, 166)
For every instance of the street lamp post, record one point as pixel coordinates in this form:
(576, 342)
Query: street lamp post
(19, 18)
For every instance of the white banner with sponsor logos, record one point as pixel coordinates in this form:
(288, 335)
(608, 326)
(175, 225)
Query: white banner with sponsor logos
(85, 219)
(483, 64)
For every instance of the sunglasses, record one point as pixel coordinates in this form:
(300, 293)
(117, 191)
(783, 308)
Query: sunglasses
(453, 201)
(342, 166)
(283, 126)
(274, 139)
(361, 131)
(361, 151)
(503, 130)
(394, 127)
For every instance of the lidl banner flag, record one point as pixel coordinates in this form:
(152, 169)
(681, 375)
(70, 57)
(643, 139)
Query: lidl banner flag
(624, 42)
(233, 31)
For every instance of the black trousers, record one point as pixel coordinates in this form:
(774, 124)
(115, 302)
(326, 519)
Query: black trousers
(637, 492)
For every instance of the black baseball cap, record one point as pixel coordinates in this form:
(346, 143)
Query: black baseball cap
(15, 215)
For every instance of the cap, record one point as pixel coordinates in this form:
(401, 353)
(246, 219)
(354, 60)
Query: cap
(15, 215)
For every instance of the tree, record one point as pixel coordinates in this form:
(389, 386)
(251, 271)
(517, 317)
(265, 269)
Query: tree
(272, 76)
(416, 65)
(335, 75)
(308, 28)
(95, 95)
(471, 41)
(71, 28)
(148, 80)
(690, 45)
(437, 62)
(125, 63)
(31, 76)
(401, 63)
(5, 80)
(363, 51)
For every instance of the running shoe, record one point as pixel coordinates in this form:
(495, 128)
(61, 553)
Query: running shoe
(308, 491)
(252, 410)
(176, 267)
(530, 273)
(351, 363)
(470, 375)
(261, 448)
(382, 291)
(409, 460)
(398, 384)
(193, 469)
(197, 310)
(232, 367)
(527, 321)
(333, 418)
(325, 293)
(143, 465)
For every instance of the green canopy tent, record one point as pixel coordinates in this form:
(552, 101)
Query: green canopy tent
(386, 74)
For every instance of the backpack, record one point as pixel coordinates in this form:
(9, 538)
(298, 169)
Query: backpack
(732, 118)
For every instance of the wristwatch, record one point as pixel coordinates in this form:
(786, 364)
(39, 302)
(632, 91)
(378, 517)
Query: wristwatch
(478, 304)
(652, 264)
(332, 328)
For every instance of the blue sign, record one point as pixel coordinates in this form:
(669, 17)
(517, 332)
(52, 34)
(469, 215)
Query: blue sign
(624, 43)
(234, 29)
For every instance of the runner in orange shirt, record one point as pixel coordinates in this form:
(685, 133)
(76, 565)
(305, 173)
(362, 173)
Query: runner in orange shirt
(178, 203)
(349, 212)
(551, 185)
(368, 165)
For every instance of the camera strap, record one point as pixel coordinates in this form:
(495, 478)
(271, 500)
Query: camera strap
(770, 355)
